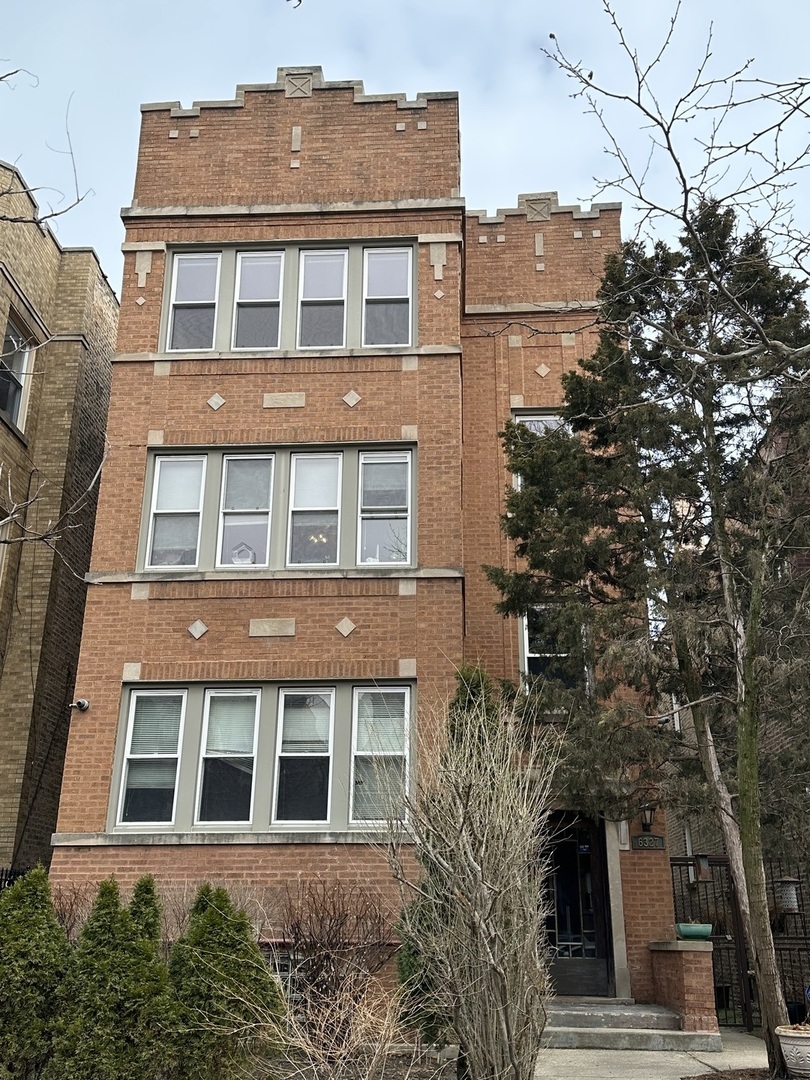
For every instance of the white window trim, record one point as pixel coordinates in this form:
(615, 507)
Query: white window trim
(408, 296)
(154, 512)
(178, 257)
(240, 256)
(382, 455)
(356, 692)
(226, 692)
(133, 700)
(219, 565)
(294, 459)
(326, 691)
(312, 301)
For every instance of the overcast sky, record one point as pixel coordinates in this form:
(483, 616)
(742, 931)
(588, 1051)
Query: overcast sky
(97, 60)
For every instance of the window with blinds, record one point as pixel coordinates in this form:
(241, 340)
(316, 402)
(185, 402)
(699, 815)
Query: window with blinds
(380, 753)
(304, 754)
(226, 771)
(150, 780)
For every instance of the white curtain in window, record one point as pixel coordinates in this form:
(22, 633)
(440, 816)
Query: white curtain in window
(380, 722)
(231, 722)
(305, 724)
(156, 724)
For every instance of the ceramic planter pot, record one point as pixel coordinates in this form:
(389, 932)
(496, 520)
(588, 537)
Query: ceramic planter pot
(795, 1043)
(687, 931)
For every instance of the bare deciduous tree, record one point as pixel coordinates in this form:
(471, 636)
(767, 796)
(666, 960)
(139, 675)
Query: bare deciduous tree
(475, 899)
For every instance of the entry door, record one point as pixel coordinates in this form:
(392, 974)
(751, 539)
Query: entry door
(577, 928)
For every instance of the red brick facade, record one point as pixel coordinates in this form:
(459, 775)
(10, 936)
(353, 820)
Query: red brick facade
(304, 166)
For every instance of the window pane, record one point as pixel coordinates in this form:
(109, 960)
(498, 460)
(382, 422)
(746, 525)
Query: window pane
(259, 277)
(387, 273)
(244, 540)
(303, 789)
(149, 794)
(314, 537)
(379, 787)
(257, 326)
(179, 482)
(323, 274)
(321, 325)
(14, 349)
(305, 724)
(316, 482)
(227, 786)
(384, 540)
(196, 278)
(193, 327)
(156, 723)
(541, 424)
(381, 722)
(247, 483)
(385, 483)
(231, 720)
(174, 540)
(387, 322)
(10, 393)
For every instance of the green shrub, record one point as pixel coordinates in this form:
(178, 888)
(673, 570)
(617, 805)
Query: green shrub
(228, 1001)
(33, 957)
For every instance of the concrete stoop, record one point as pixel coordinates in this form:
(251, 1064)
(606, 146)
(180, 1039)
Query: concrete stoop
(597, 1024)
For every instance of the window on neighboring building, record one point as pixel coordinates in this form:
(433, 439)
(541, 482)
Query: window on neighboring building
(153, 746)
(292, 297)
(380, 753)
(341, 508)
(13, 365)
(263, 757)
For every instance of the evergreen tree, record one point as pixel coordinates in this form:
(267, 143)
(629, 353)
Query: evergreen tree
(662, 532)
(114, 998)
(228, 1002)
(33, 957)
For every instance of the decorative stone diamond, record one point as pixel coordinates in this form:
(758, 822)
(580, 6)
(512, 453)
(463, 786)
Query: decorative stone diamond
(216, 401)
(438, 294)
(351, 400)
(543, 370)
(345, 627)
(140, 301)
(197, 629)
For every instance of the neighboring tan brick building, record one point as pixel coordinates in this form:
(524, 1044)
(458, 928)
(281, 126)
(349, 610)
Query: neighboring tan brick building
(317, 350)
(58, 316)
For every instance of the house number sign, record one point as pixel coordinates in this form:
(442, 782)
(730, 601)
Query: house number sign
(647, 842)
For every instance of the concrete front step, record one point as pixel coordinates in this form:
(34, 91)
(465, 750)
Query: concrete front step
(611, 1014)
(611, 1025)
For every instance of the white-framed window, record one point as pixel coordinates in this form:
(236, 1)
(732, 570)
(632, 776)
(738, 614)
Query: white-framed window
(383, 535)
(543, 657)
(262, 756)
(154, 734)
(257, 303)
(225, 788)
(174, 532)
(304, 755)
(195, 288)
(245, 507)
(14, 364)
(277, 509)
(290, 297)
(322, 315)
(387, 296)
(314, 535)
(380, 733)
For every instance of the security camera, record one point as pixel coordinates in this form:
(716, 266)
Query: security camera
(82, 704)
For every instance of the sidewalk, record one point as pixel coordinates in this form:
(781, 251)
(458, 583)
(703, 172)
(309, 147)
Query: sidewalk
(740, 1051)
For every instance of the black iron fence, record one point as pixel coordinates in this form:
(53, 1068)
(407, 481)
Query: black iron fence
(706, 894)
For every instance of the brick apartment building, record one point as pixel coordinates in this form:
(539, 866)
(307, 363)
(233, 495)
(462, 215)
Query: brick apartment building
(58, 317)
(318, 346)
